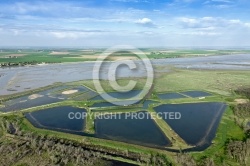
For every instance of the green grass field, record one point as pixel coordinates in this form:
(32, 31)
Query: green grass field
(71, 55)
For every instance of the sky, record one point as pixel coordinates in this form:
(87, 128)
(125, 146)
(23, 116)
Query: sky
(140, 23)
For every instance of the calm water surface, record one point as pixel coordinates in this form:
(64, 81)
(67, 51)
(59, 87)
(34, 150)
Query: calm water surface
(198, 123)
(58, 118)
(141, 131)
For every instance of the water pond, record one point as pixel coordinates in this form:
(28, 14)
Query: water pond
(164, 96)
(57, 118)
(198, 122)
(142, 131)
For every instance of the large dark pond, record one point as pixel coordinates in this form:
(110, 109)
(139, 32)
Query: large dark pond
(142, 131)
(198, 123)
(58, 118)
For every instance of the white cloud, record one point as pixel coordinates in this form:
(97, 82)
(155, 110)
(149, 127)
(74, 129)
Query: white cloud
(247, 25)
(62, 35)
(208, 22)
(201, 33)
(220, 4)
(146, 22)
(215, 28)
(76, 34)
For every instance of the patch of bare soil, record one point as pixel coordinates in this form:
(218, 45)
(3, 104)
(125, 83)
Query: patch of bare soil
(59, 53)
(34, 96)
(68, 92)
(241, 101)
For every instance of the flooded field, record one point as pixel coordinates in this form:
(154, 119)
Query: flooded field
(57, 119)
(73, 92)
(198, 123)
(29, 101)
(49, 96)
(137, 131)
(19, 79)
(85, 96)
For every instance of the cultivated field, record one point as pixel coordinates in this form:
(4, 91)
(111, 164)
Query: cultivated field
(79, 55)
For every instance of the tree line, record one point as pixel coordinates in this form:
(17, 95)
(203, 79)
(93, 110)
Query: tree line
(239, 150)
